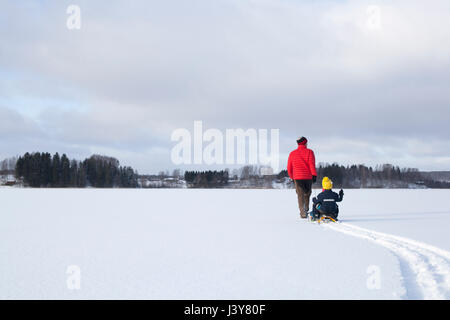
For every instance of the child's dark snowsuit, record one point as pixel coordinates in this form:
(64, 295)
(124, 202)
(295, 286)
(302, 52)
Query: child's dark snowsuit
(325, 203)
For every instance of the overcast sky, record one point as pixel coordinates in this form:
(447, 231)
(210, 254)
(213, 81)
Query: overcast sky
(360, 91)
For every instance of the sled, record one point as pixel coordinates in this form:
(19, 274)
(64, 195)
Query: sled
(326, 219)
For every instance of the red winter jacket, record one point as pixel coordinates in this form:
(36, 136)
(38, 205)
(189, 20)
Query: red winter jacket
(301, 164)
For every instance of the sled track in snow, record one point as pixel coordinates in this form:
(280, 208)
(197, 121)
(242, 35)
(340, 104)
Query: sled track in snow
(425, 268)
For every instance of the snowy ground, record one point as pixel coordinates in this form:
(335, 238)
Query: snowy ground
(221, 244)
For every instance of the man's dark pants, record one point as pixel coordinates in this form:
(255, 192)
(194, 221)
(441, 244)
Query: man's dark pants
(303, 189)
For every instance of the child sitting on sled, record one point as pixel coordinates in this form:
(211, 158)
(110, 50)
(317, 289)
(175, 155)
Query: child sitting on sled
(325, 203)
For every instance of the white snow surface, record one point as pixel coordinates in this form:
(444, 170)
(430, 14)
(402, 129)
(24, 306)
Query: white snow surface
(222, 244)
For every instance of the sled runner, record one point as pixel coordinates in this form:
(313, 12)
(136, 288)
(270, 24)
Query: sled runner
(322, 218)
(326, 219)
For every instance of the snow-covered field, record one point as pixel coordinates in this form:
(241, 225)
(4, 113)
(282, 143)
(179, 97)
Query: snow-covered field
(221, 244)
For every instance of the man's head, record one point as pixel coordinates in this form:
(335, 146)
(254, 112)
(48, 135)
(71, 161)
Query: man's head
(302, 141)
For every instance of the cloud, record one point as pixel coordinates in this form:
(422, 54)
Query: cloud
(15, 126)
(137, 71)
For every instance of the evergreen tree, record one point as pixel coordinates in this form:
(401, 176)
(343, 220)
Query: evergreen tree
(65, 171)
(56, 171)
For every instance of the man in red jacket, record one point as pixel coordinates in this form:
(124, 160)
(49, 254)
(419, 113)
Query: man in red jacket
(302, 169)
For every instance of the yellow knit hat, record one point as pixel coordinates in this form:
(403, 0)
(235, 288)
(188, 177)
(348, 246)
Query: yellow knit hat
(327, 184)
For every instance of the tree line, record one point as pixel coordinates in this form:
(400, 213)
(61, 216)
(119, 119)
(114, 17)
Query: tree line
(44, 170)
(206, 179)
(381, 176)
